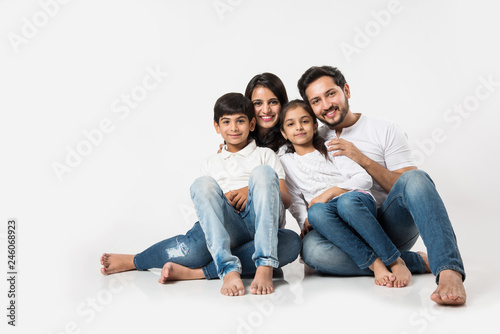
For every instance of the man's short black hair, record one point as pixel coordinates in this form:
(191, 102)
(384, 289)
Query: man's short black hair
(314, 73)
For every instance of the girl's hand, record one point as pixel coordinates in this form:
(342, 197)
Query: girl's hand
(327, 196)
(307, 227)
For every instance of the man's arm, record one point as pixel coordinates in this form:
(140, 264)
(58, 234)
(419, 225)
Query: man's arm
(380, 174)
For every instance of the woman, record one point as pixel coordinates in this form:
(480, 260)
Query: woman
(186, 256)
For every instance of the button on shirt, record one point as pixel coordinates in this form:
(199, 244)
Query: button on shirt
(232, 170)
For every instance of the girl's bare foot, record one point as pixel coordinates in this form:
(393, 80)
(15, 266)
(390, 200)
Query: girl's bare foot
(175, 272)
(233, 285)
(262, 283)
(450, 290)
(116, 263)
(426, 260)
(402, 273)
(382, 275)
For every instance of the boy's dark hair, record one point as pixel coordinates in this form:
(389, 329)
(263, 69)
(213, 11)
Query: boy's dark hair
(231, 104)
(318, 141)
(273, 138)
(314, 73)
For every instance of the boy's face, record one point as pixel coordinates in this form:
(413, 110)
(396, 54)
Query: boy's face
(235, 130)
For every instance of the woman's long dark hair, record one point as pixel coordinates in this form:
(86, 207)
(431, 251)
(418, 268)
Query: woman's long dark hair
(273, 138)
(318, 141)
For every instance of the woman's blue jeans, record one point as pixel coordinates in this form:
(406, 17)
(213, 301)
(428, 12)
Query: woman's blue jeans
(191, 249)
(349, 221)
(413, 207)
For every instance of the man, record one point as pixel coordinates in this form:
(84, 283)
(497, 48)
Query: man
(408, 202)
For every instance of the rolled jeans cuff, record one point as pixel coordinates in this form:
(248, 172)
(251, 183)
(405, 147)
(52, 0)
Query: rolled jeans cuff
(228, 270)
(451, 267)
(136, 266)
(267, 262)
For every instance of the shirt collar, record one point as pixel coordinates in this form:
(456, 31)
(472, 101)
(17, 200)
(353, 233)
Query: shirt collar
(251, 146)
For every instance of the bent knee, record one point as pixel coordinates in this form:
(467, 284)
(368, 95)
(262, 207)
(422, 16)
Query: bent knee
(416, 180)
(263, 174)
(204, 185)
(316, 213)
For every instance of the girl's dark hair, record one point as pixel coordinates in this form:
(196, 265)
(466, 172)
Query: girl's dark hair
(318, 141)
(273, 138)
(233, 103)
(314, 73)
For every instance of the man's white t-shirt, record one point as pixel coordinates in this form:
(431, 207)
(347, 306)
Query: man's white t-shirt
(382, 141)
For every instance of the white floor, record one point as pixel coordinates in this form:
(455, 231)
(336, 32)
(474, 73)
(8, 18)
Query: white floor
(81, 300)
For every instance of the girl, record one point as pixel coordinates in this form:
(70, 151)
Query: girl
(186, 256)
(332, 195)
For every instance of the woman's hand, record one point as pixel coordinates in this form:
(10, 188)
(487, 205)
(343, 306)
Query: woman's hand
(307, 227)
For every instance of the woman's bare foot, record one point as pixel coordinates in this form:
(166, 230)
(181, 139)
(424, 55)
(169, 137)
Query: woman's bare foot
(382, 275)
(426, 260)
(262, 283)
(450, 290)
(233, 285)
(175, 272)
(402, 273)
(116, 263)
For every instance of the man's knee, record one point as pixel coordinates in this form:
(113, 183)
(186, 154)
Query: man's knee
(416, 181)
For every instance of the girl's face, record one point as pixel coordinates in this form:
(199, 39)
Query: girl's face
(299, 127)
(267, 108)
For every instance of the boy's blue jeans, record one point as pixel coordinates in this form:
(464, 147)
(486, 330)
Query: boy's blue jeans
(191, 250)
(225, 228)
(349, 222)
(413, 207)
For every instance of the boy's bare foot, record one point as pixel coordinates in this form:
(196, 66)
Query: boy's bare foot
(262, 283)
(402, 273)
(233, 285)
(175, 272)
(450, 290)
(382, 275)
(116, 263)
(426, 260)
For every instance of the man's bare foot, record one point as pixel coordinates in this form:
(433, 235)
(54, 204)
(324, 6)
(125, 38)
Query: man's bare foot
(262, 283)
(426, 260)
(175, 272)
(382, 275)
(233, 285)
(116, 263)
(450, 290)
(402, 273)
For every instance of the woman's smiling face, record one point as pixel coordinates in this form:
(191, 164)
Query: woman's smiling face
(267, 108)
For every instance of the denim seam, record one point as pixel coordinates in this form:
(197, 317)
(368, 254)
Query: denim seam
(368, 263)
(392, 258)
(452, 267)
(135, 264)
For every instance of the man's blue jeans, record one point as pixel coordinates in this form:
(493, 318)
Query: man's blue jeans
(413, 207)
(349, 221)
(191, 250)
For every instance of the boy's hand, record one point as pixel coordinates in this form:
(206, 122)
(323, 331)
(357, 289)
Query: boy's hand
(238, 198)
(307, 227)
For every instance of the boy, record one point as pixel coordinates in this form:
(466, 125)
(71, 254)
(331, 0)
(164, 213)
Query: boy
(238, 198)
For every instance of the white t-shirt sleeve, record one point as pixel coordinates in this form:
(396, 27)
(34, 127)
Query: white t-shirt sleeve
(397, 151)
(273, 161)
(298, 208)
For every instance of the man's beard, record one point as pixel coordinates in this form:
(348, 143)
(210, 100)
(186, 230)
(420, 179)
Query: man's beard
(342, 112)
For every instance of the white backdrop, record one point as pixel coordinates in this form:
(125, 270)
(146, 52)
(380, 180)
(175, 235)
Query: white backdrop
(106, 113)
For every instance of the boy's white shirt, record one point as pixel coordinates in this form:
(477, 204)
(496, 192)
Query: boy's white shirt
(232, 170)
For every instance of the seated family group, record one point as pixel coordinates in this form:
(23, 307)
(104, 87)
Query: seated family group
(351, 184)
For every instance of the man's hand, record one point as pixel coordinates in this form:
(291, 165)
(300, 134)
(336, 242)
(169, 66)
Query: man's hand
(344, 147)
(238, 198)
(307, 227)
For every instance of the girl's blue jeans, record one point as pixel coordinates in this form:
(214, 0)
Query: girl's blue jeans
(413, 207)
(349, 221)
